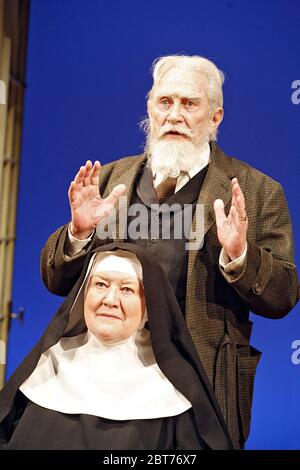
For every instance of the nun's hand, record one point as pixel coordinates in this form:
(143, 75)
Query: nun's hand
(232, 229)
(87, 206)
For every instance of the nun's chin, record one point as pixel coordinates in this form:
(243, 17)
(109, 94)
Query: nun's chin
(111, 332)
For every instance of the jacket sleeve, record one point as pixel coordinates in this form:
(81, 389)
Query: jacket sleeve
(60, 272)
(269, 281)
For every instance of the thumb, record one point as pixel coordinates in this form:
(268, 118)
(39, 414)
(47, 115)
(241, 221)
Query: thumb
(119, 190)
(219, 211)
(115, 194)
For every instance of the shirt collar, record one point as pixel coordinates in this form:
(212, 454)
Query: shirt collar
(203, 160)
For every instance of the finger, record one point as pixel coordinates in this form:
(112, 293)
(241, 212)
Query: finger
(71, 192)
(238, 214)
(219, 211)
(232, 213)
(237, 217)
(233, 182)
(80, 175)
(240, 208)
(95, 173)
(239, 201)
(237, 193)
(88, 168)
(236, 190)
(115, 194)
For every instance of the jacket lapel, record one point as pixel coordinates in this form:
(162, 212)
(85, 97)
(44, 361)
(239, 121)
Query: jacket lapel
(127, 177)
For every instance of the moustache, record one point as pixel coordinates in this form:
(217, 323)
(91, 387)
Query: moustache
(175, 130)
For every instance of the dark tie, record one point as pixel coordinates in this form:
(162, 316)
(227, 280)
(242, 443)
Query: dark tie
(166, 189)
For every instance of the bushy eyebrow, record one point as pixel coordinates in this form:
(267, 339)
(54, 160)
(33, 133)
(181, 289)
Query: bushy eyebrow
(176, 95)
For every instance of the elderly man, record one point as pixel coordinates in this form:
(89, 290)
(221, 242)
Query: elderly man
(246, 259)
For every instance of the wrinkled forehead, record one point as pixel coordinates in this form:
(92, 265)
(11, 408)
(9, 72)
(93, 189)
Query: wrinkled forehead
(181, 82)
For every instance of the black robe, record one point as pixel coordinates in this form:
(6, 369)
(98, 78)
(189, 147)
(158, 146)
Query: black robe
(25, 425)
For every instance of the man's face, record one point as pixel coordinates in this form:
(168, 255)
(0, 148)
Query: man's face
(179, 109)
(114, 306)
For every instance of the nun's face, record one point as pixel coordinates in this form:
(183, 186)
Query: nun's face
(114, 306)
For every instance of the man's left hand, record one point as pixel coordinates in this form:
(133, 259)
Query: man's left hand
(232, 229)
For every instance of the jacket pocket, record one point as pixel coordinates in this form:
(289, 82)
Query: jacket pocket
(224, 379)
(246, 369)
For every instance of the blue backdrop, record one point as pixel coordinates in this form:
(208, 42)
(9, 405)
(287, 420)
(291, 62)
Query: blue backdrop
(87, 77)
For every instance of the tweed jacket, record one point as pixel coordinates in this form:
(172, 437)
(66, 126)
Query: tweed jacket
(217, 304)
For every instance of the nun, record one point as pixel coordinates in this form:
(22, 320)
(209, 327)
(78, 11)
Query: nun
(116, 369)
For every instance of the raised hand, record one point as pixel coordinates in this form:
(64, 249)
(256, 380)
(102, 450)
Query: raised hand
(87, 206)
(232, 229)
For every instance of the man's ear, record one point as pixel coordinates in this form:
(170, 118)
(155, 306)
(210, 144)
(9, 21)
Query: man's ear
(217, 117)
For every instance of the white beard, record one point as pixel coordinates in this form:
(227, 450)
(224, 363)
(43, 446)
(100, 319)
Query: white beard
(168, 158)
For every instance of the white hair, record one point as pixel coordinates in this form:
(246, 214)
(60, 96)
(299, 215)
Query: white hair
(205, 67)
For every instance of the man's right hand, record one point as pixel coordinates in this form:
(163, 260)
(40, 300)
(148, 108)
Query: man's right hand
(87, 206)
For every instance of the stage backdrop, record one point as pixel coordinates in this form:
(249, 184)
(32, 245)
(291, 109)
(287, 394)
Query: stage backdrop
(87, 77)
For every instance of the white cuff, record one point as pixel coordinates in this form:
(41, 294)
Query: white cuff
(75, 245)
(235, 266)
